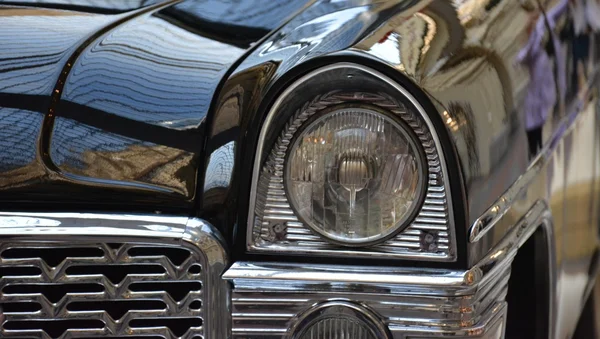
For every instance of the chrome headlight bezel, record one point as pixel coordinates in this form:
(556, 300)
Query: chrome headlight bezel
(429, 236)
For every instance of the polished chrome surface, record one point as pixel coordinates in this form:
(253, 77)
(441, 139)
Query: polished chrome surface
(430, 235)
(436, 302)
(267, 298)
(99, 275)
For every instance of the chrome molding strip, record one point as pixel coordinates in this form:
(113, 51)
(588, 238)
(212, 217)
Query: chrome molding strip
(92, 228)
(412, 302)
(250, 244)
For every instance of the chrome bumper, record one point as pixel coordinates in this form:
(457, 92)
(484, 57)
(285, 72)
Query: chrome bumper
(248, 300)
(268, 299)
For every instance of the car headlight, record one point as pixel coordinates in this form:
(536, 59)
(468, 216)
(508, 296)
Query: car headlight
(348, 164)
(355, 175)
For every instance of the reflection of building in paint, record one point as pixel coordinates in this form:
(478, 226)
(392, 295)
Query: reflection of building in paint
(19, 130)
(33, 47)
(35, 43)
(91, 152)
(150, 70)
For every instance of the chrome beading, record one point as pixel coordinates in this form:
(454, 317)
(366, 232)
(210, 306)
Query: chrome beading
(273, 225)
(97, 275)
(269, 298)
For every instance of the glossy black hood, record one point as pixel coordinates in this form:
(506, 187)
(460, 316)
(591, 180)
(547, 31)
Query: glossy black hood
(105, 103)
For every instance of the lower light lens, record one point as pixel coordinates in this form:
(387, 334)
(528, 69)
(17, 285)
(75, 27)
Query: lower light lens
(337, 328)
(355, 176)
(339, 320)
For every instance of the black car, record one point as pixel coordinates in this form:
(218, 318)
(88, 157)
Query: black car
(331, 169)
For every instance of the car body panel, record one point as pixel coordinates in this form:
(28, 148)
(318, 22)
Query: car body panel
(30, 71)
(124, 106)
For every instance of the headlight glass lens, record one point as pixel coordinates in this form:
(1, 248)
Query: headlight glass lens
(338, 327)
(355, 175)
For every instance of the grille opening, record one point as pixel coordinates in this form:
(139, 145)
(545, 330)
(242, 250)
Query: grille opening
(53, 328)
(176, 255)
(195, 269)
(53, 292)
(177, 290)
(195, 305)
(53, 256)
(177, 326)
(8, 271)
(117, 309)
(20, 307)
(114, 245)
(115, 273)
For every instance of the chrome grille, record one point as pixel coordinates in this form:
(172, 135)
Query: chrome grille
(74, 280)
(100, 289)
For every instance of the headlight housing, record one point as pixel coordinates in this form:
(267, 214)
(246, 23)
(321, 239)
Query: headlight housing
(354, 175)
(353, 171)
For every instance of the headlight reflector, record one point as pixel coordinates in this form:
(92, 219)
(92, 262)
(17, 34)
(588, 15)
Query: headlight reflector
(355, 175)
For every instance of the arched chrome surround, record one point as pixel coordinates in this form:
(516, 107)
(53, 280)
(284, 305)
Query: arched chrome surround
(102, 231)
(394, 247)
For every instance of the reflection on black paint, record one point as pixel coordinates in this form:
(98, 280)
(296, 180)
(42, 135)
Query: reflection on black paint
(134, 102)
(541, 95)
(34, 44)
(91, 6)
(236, 22)
(19, 130)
